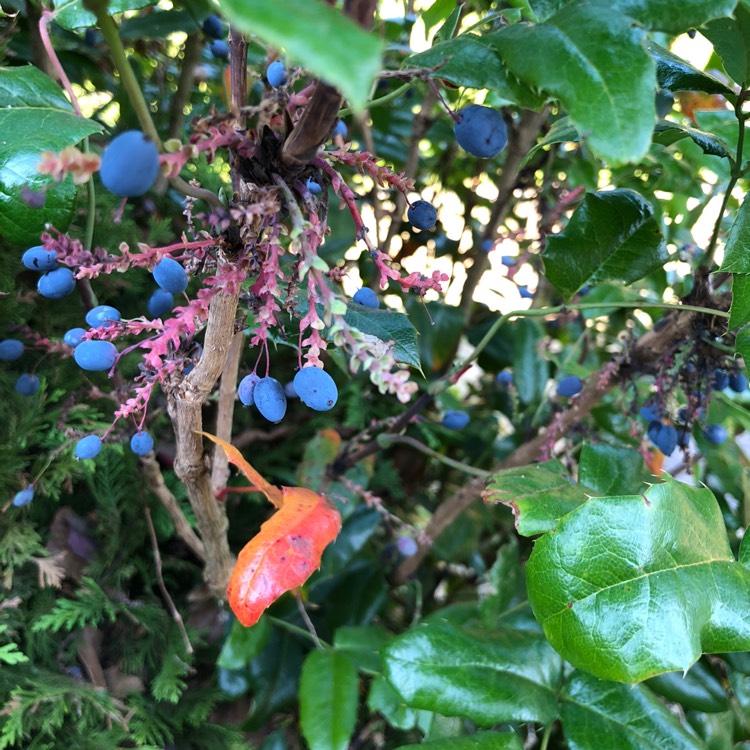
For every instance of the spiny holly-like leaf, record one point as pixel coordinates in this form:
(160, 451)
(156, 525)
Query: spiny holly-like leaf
(286, 550)
(538, 495)
(675, 74)
(629, 587)
(35, 116)
(612, 235)
(667, 133)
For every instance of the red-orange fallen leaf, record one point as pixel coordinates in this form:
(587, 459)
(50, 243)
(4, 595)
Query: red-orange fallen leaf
(286, 550)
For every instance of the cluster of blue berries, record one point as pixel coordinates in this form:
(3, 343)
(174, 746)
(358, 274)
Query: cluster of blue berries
(27, 384)
(312, 385)
(55, 282)
(214, 29)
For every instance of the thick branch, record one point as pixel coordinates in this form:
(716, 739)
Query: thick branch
(191, 464)
(651, 347)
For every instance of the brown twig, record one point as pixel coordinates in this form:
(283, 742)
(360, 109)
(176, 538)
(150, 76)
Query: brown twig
(176, 616)
(648, 349)
(521, 138)
(191, 57)
(155, 481)
(185, 402)
(225, 412)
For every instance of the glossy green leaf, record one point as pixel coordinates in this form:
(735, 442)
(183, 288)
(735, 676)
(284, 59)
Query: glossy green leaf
(71, 15)
(539, 495)
(656, 587)
(562, 131)
(469, 61)
(736, 255)
(731, 40)
(742, 343)
(595, 64)
(531, 371)
(35, 116)
(667, 133)
(329, 694)
(316, 36)
(440, 329)
(363, 644)
(499, 585)
(383, 699)
(698, 689)
(675, 74)
(387, 325)
(610, 470)
(739, 312)
(478, 741)
(436, 13)
(488, 677)
(672, 16)
(598, 714)
(243, 644)
(611, 235)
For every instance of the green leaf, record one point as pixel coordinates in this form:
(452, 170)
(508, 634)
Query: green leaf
(742, 343)
(35, 116)
(539, 495)
(469, 61)
(10, 654)
(329, 694)
(731, 40)
(656, 587)
(737, 248)
(436, 13)
(612, 235)
(595, 64)
(562, 131)
(666, 133)
(488, 677)
(387, 325)
(675, 74)
(673, 16)
(698, 689)
(531, 371)
(316, 36)
(71, 15)
(478, 741)
(499, 585)
(383, 699)
(739, 312)
(243, 644)
(598, 714)
(610, 470)
(363, 644)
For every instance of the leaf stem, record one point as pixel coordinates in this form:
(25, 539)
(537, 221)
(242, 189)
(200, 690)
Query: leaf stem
(386, 440)
(546, 736)
(377, 102)
(296, 630)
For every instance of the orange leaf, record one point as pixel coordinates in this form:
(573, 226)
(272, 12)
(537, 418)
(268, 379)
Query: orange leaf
(286, 550)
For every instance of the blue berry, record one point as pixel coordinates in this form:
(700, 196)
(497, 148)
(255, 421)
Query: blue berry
(569, 386)
(650, 412)
(276, 74)
(88, 447)
(56, 284)
(525, 292)
(720, 380)
(504, 378)
(737, 382)
(74, 336)
(316, 388)
(455, 419)
(130, 164)
(290, 391)
(24, 497)
(246, 389)
(95, 355)
(422, 215)
(340, 129)
(195, 355)
(487, 246)
(270, 399)
(141, 443)
(407, 546)
(219, 49)
(39, 259)
(481, 131)
(313, 186)
(716, 434)
(508, 260)
(10, 349)
(213, 27)
(366, 297)
(27, 384)
(663, 436)
(160, 303)
(102, 315)
(170, 276)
